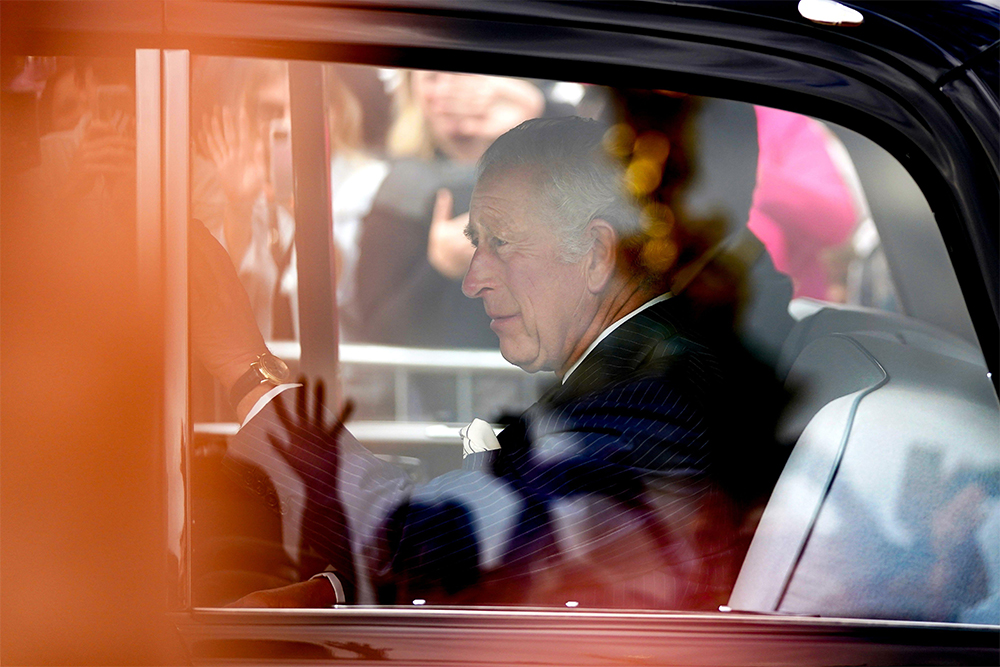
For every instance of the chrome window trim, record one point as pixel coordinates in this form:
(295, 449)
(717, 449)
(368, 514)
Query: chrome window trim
(176, 212)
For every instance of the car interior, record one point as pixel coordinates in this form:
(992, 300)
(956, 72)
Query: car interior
(889, 504)
(815, 180)
(891, 425)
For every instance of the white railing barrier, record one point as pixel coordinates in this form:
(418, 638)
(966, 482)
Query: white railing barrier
(404, 361)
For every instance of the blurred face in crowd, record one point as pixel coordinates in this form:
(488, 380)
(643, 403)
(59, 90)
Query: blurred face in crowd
(465, 113)
(539, 304)
(69, 101)
(273, 101)
(453, 105)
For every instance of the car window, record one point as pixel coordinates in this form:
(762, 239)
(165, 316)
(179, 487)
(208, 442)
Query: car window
(75, 146)
(813, 431)
(687, 369)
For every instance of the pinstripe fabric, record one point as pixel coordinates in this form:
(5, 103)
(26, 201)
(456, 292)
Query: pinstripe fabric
(598, 494)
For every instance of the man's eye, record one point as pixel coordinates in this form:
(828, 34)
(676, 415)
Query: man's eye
(497, 243)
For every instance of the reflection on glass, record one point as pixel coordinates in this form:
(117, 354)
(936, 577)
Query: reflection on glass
(618, 332)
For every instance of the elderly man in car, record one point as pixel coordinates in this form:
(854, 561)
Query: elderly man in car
(631, 484)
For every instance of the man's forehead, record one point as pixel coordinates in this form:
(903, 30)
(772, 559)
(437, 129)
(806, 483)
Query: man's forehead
(485, 219)
(492, 211)
(506, 197)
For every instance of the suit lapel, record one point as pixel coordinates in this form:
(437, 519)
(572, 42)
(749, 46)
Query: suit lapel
(623, 352)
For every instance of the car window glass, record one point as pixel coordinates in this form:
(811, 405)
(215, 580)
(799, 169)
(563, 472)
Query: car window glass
(782, 246)
(73, 123)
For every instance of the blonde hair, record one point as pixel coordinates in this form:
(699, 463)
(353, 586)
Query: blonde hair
(409, 135)
(343, 113)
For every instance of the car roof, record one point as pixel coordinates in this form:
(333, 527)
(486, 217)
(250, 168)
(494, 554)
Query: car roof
(933, 35)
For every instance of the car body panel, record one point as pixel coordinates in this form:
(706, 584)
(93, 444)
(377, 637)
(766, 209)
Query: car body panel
(459, 636)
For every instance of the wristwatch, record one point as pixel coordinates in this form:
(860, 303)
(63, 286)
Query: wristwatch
(267, 368)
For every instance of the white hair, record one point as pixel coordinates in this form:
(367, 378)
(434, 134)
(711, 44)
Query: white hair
(579, 177)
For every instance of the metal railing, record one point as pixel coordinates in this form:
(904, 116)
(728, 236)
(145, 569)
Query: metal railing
(404, 363)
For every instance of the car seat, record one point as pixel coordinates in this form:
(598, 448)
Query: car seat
(888, 504)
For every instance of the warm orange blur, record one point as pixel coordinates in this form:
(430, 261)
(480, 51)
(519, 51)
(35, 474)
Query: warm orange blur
(82, 555)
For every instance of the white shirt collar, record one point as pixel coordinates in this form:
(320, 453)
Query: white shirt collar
(614, 325)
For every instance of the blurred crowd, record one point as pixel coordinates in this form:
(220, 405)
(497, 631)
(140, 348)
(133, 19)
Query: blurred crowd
(403, 146)
(82, 150)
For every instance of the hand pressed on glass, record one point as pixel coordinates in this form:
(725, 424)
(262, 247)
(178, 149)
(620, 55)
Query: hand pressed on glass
(311, 445)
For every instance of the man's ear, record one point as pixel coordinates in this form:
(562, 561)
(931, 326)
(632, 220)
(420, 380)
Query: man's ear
(602, 256)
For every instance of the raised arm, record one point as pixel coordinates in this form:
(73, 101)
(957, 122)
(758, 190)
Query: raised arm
(224, 332)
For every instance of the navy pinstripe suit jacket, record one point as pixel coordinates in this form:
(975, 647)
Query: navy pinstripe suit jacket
(610, 491)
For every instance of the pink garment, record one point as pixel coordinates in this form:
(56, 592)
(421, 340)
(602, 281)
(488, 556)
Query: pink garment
(802, 203)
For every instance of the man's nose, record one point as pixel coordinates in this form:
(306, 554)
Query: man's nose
(477, 277)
